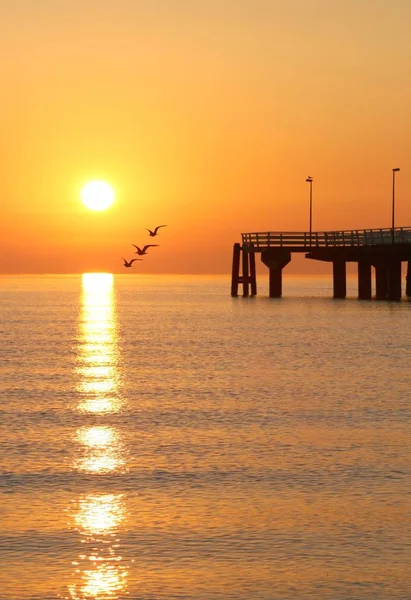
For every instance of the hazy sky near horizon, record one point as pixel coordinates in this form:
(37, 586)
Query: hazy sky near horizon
(205, 115)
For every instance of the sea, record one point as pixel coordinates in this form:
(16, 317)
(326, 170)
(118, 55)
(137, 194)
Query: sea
(162, 440)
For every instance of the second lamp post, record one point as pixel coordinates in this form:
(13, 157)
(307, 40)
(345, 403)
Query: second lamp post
(394, 171)
(310, 181)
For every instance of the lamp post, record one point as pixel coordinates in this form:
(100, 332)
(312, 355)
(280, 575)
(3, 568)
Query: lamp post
(310, 181)
(394, 171)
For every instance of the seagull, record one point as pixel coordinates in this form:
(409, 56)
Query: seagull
(141, 251)
(130, 262)
(153, 233)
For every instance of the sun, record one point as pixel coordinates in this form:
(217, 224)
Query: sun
(97, 195)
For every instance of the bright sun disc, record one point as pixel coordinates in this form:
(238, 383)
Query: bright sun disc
(97, 195)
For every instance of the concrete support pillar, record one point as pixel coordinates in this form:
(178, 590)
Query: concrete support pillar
(408, 280)
(276, 282)
(381, 281)
(276, 260)
(235, 274)
(364, 280)
(245, 278)
(394, 279)
(339, 279)
(253, 276)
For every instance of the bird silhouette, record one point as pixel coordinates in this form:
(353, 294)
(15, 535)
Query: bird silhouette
(129, 263)
(153, 233)
(142, 251)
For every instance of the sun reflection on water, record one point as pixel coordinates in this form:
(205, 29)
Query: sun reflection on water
(106, 581)
(99, 514)
(97, 436)
(103, 450)
(99, 570)
(98, 351)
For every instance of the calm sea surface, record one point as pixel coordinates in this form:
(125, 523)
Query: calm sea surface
(161, 440)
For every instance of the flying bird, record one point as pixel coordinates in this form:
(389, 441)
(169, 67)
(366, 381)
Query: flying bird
(129, 263)
(153, 233)
(142, 251)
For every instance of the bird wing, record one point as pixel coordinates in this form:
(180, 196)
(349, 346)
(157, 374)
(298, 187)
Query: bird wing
(136, 247)
(149, 246)
(149, 230)
(158, 227)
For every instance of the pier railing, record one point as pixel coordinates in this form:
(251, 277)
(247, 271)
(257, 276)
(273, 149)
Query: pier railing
(324, 239)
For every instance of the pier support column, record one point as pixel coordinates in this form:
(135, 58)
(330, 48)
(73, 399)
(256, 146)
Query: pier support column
(408, 280)
(276, 260)
(248, 277)
(381, 281)
(364, 280)
(339, 279)
(253, 276)
(276, 282)
(235, 274)
(245, 277)
(394, 279)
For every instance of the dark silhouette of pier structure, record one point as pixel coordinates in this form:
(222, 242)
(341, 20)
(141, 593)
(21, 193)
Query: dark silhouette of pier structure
(381, 249)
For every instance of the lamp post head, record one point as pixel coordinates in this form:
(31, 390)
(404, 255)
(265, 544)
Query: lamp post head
(395, 170)
(309, 180)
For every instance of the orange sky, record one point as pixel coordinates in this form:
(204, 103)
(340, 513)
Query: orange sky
(207, 116)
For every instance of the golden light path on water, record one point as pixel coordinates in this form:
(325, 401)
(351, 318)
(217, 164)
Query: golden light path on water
(104, 452)
(98, 569)
(102, 576)
(98, 349)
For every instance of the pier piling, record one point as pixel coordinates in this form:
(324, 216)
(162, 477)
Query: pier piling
(253, 276)
(408, 280)
(394, 279)
(276, 260)
(364, 280)
(248, 278)
(235, 275)
(381, 281)
(339, 279)
(245, 277)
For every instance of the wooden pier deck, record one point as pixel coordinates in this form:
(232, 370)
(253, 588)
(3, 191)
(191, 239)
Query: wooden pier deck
(382, 249)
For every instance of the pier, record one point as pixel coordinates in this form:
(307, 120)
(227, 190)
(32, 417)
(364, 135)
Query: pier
(380, 250)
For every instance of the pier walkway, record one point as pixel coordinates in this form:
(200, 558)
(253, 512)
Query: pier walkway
(382, 249)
